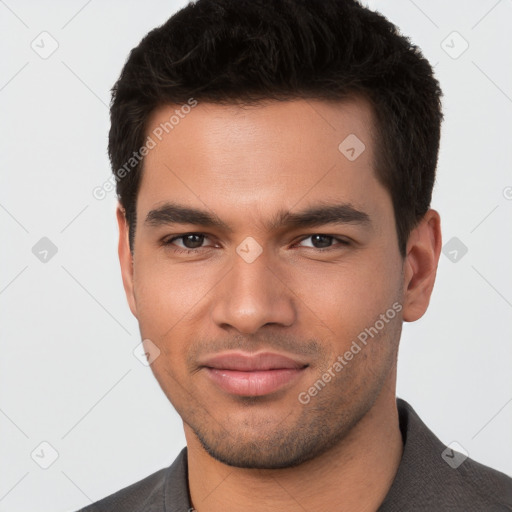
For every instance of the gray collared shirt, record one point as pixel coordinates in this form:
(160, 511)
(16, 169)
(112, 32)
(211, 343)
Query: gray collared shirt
(431, 477)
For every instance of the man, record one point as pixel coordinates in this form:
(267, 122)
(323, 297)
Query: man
(274, 163)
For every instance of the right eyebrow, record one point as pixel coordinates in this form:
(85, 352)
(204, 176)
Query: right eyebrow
(172, 213)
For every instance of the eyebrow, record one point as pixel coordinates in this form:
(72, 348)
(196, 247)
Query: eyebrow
(344, 213)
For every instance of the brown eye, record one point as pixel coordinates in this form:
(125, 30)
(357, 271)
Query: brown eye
(189, 242)
(192, 241)
(321, 241)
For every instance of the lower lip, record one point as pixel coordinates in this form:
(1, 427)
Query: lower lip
(254, 383)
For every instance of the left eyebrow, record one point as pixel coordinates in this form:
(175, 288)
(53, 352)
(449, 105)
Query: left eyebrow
(343, 213)
(318, 215)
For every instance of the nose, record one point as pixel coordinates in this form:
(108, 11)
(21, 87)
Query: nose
(252, 295)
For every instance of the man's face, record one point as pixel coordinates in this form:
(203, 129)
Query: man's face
(255, 284)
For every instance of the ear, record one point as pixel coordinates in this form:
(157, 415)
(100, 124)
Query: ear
(423, 250)
(125, 258)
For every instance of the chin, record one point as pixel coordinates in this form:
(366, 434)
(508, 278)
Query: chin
(278, 450)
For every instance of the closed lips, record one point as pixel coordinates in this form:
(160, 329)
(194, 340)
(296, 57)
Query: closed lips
(246, 362)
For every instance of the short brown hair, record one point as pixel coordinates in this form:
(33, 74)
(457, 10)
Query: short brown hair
(227, 51)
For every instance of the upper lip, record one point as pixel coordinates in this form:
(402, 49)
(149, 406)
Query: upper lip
(247, 362)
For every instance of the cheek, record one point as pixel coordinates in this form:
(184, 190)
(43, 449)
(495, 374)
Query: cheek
(349, 296)
(166, 293)
(339, 297)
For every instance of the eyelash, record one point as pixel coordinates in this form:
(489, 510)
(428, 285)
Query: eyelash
(179, 250)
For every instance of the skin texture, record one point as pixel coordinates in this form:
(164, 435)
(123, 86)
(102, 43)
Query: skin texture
(244, 164)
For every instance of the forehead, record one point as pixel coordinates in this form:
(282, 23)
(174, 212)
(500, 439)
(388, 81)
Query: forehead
(254, 160)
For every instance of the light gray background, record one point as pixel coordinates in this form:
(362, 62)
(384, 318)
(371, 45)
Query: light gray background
(67, 372)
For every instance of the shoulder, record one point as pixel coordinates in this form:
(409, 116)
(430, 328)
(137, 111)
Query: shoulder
(149, 494)
(481, 484)
(432, 476)
(132, 497)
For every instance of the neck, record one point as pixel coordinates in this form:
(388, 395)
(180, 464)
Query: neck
(357, 472)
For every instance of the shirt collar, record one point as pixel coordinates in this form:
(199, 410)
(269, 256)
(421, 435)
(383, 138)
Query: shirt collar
(418, 441)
